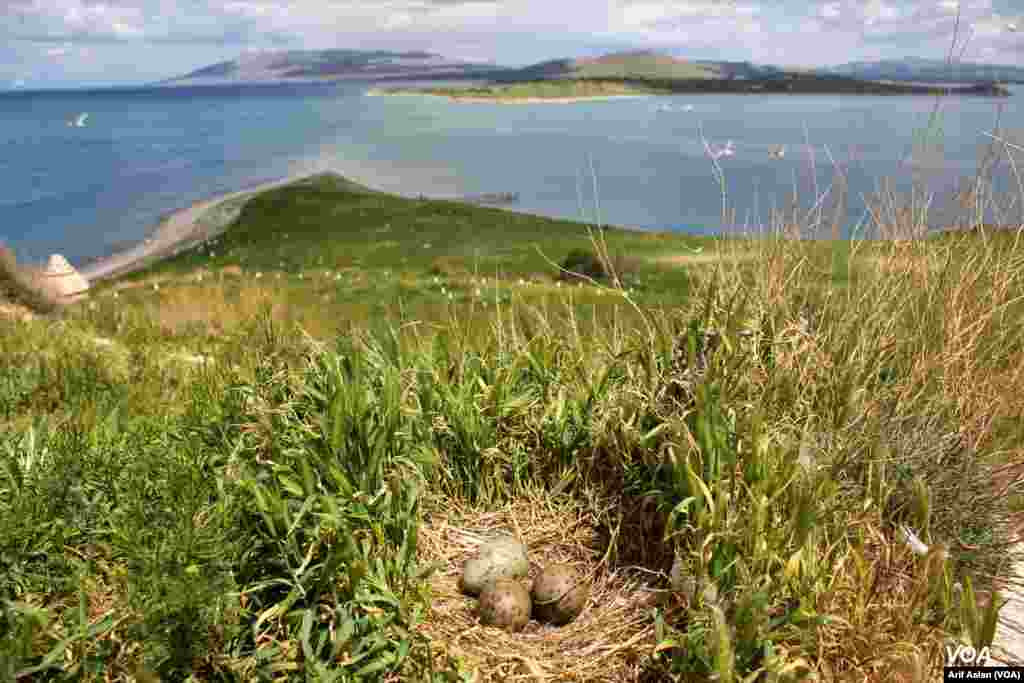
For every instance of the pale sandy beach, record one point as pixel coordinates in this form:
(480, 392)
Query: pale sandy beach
(542, 100)
(181, 229)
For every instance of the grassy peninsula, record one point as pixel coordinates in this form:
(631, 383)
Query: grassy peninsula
(557, 90)
(565, 89)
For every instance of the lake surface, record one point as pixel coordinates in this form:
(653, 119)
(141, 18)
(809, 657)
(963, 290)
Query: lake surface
(85, 191)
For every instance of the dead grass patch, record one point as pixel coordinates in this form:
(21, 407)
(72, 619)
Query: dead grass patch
(902, 258)
(211, 306)
(604, 644)
(692, 259)
(13, 311)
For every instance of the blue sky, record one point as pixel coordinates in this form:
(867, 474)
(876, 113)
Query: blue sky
(74, 42)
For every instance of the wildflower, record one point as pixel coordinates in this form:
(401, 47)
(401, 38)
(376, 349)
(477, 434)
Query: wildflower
(259, 275)
(910, 538)
(451, 296)
(300, 276)
(478, 291)
(436, 279)
(115, 295)
(558, 284)
(426, 245)
(156, 287)
(337, 276)
(522, 282)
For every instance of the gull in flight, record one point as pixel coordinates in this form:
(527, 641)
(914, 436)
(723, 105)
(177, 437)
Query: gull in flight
(1011, 27)
(726, 151)
(778, 152)
(79, 121)
(669, 107)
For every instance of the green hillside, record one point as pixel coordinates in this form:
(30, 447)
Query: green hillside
(643, 65)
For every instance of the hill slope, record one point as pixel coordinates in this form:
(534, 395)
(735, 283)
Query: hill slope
(930, 70)
(330, 65)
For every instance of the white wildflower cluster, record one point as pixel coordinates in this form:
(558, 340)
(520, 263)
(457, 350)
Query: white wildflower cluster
(917, 546)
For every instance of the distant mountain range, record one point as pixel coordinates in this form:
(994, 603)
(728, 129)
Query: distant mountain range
(295, 65)
(927, 70)
(638, 64)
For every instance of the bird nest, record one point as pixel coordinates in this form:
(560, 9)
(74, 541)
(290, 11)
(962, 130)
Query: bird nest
(610, 641)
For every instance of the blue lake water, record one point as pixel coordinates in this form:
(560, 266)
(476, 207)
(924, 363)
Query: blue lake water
(83, 191)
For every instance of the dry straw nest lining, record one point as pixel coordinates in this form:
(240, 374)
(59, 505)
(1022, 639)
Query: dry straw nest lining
(609, 641)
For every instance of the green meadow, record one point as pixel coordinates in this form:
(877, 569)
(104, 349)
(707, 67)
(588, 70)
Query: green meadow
(538, 89)
(267, 457)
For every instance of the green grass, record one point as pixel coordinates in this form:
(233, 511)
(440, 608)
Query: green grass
(539, 89)
(646, 66)
(766, 413)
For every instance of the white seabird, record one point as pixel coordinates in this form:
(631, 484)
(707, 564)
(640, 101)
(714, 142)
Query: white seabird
(726, 151)
(79, 121)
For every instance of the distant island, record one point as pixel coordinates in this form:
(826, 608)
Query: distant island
(620, 74)
(592, 89)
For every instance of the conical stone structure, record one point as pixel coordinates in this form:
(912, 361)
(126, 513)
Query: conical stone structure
(61, 280)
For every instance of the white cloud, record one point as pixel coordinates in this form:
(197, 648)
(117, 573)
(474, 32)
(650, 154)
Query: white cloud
(505, 31)
(247, 9)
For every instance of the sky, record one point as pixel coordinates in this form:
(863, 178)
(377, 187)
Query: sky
(61, 43)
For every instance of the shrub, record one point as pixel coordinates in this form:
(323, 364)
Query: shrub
(584, 262)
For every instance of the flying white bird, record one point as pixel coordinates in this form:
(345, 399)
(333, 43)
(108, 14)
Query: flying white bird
(778, 152)
(726, 151)
(688, 107)
(79, 121)
(1011, 27)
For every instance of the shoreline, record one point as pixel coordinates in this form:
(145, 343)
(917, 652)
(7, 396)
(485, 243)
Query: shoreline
(510, 100)
(178, 230)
